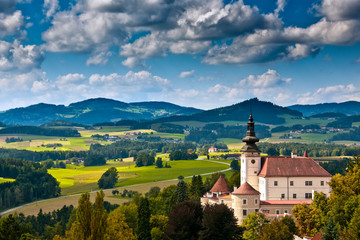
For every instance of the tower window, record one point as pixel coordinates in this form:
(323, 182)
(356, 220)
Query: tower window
(322, 183)
(275, 183)
(256, 201)
(244, 212)
(244, 201)
(253, 161)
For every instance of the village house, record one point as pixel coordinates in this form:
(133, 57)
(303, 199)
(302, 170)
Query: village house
(272, 185)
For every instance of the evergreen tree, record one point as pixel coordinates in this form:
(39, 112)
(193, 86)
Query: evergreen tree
(197, 189)
(159, 162)
(330, 232)
(235, 165)
(9, 228)
(99, 216)
(181, 192)
(83, 217)
(144, 230)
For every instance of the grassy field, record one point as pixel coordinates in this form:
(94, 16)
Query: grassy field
(81, 179)
(2, 180)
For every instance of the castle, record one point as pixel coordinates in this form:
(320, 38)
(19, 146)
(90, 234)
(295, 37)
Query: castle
(271, 185)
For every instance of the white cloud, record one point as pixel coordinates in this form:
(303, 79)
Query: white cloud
(270, 79)
(10, 24)
(336, 10)
(186, 74)
(50, 7)
(336, 93)
(15, 56)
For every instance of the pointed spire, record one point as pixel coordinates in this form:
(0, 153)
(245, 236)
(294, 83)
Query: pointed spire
(250, 139)
(306, 154)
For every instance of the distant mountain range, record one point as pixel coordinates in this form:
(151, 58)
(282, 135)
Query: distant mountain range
(264, 112)
(92, 111)
(348, 108)
(99, 110)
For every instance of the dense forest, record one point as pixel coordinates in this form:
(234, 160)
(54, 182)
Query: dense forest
(313, 150)
(352, 135)
(32, 183)
(63, 132)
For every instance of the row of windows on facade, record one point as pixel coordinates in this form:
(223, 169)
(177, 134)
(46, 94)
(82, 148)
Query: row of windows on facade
(277, 211)
(307, 196)
(307, 183)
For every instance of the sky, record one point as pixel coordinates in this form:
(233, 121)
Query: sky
(195, 53)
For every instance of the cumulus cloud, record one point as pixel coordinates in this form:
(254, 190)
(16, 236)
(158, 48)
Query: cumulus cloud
(336, 93)
(186, 74)
(336, 10)
(10, 23)
(15, 56)
(270, 79)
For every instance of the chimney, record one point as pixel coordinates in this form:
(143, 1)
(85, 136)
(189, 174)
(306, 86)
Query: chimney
(293, 154)
(235, 187)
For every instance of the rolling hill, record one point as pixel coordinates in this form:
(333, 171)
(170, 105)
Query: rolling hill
(264, 112)
(92, 111)
(348, 108)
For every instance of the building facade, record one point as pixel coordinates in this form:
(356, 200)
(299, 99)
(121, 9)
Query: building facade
(272, 185)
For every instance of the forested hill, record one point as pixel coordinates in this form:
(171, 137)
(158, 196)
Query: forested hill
(263, 112)
(348, 108)
(92, 111)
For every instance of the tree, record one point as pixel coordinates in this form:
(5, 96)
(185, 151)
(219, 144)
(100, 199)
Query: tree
(109, 178)
(289, 222)
(48, 163)
(184, 221)
(144, 230)
(153, 192)
(197, 189)
(94, 160)
(144, 160)
(331, 231)
(9, 228)
(181, 192)
(98, 219)
(159, 163)
(253, 225)
(218, 222)
(82, 226)
(234, 179)
(130, 212)
(235, 165)
(276, 230)
(307, 219)
(117, 227)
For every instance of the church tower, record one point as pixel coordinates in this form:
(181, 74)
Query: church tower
(250, 159)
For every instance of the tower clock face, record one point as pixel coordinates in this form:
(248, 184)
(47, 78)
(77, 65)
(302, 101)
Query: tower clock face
(253, 161)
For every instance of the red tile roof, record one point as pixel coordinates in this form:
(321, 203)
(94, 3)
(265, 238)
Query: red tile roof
(245, 188)
(284, 202)
(226, 196)
(221, 186)
(292, 167)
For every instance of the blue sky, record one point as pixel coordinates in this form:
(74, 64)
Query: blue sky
(199, 53)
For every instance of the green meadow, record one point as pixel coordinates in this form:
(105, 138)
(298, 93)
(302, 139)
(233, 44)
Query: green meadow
(82, 178)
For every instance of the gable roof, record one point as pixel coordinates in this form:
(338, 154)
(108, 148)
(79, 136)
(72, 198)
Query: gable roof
(221, 186)
(292, 167)
(245, 189)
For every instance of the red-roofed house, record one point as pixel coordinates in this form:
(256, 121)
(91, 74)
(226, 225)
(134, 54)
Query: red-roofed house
(272, 185)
